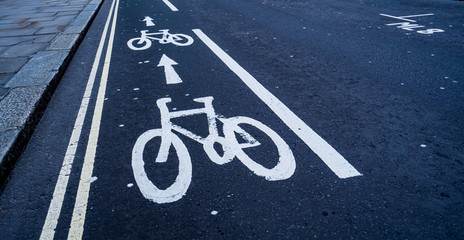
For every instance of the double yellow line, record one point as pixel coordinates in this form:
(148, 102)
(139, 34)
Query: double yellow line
(80, 206)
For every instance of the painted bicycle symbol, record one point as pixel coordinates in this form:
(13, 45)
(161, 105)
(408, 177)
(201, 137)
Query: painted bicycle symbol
(231, 148)
(164, 37)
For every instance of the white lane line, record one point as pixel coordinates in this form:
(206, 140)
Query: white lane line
(80, 207)
(170, 5)
(336, 162)
(48, 230)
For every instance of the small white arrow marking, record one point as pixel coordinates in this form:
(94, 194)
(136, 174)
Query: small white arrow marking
(171, 76)
(148, 21)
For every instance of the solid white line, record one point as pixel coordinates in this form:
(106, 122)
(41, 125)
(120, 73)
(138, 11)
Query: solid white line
(170, 5)
(48, 230)
(336, 162)
(80, 207)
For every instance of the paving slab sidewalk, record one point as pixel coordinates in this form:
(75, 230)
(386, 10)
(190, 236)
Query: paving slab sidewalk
(37, 41)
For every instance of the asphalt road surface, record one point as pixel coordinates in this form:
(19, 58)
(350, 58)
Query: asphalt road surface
(252, 119)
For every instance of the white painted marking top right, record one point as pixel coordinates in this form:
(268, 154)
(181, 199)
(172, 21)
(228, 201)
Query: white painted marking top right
(334, 160)
(170, 5)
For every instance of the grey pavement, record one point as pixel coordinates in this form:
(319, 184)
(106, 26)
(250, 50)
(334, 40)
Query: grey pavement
(37, 41)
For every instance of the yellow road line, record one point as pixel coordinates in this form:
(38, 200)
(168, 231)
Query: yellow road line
(48, 229)
(80, 207)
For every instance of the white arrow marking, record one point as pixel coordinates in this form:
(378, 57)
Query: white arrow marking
(171, 76)
(148, 21)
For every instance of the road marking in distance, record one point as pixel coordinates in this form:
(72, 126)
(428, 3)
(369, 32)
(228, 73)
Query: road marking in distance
(53, 214)
(399, 18)
(405, 18)
(336, 162)
(80, 207)
(170, 5)
(407, 23)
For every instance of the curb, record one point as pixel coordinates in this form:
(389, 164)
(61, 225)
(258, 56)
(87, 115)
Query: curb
(33, 86)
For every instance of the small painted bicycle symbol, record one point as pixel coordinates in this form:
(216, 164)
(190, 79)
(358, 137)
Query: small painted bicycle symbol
(144, 41)
(231, 148)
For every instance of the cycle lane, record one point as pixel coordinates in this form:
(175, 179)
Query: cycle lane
(135, 82)
(372, 205)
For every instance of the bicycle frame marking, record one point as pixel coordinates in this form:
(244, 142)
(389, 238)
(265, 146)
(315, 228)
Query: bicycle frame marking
(167, 126)
(231, 147)
(144, 41)
(166, 123)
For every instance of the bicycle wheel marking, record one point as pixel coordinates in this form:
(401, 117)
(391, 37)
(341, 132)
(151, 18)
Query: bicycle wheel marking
(286, 164)
(177, 190)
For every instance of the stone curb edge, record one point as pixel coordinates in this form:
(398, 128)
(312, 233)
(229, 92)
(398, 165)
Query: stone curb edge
(33, 86)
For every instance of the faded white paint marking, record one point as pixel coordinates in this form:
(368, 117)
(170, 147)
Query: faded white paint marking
(406, 18)
(171, 76)
(418, 15)
(93, 179)
(336, 162)
(171, 6)
(399, 18)
(54, 211)
(407, 23)
(80, 207)
(431, 31)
